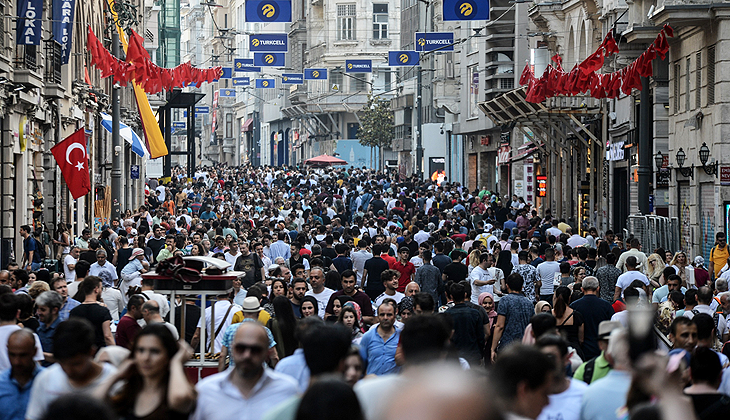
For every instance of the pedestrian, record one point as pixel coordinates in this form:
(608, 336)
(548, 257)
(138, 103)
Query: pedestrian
(594, 310)
(513, 316)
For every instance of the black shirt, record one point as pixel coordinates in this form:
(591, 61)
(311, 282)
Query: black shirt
(156, 245)
(468, 335)
(97, 315)
(456, 272)
(375, 266)
(711, 406)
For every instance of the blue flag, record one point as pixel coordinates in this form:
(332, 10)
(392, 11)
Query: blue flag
(358, 66)
(315, 74)
(268, 11)
(226, 73)
(265, 83)
(269, 43)
(269, 59)
(241, 81)
(227, 93)
(245, 65)
(63, 25)
(466, 10)
(429, 41)
(402, 58)
(29, 26)
(292, 78)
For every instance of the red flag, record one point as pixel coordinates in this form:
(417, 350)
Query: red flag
(73, 159)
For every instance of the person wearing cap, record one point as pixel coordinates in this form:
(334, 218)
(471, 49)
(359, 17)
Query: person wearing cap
(250, 308)
(603, 399)
(598, 367)
(132, 272)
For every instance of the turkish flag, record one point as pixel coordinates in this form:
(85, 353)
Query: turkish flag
(73, 159)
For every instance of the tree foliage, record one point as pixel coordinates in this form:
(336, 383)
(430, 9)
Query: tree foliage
(376, 124)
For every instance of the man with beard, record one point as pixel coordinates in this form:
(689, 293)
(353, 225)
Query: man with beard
(249, 388)
(250, 264)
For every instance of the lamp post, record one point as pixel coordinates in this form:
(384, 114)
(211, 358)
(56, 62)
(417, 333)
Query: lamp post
(663, 175)
(704, 156)
(681, 157)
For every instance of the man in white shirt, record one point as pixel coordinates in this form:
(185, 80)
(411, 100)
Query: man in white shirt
(390, 281)
(635, 251)
(319, 292)
(554, 230)
(233, 252)
(576, 240)
(546, 275)
(69, 264)
(566, 394)
(704, 298)
(421, 236)
(9, 312)
(224, 311)
(359, 257)
(631, 275)
(480, 279)
(102, 264)
(250, 388)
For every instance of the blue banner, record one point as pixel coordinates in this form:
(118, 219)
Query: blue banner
(292, 78)
(29, 26)
(241, 81)
(429, 41)
(227, 93)
(265, 83)
(245, 65)
(358, 66)
(466, 10)
(63, 25)
(268, 11)
(402, 58)
(202, 110)
(269, 59)
(179, 125)
(315, 74)
(226, 73)
(269, 43)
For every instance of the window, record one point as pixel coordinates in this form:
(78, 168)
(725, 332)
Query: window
(677, 72)
(229, 125)
(473, 74)
(336, 79)
(345, 22)
(698, 80)
(358, 82)
(380, 21)
(686, 84)
(710, 75)
(508, 84)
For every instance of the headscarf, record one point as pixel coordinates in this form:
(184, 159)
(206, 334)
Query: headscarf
(492, 314)
(541, 304)
(106, 278)
(358, 312)
(406, 304)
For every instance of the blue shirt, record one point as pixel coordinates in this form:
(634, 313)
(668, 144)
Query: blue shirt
(45, 334)
(378, 355)
(279, 249)
(66, 309)
(296, 367)
(604, 397)
(14, 398)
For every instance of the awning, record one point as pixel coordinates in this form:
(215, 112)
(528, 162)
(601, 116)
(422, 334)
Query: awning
(324, 160)
(247, 125)
(126, 133)
(524, 154)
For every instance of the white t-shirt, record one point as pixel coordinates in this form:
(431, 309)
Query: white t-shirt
(53, 383)
(397, 298)
(554, 231)
(221, 307)
(546, 272)
(566, 405)
(73, 288)
(70, 274)
(113, 300)
(323, 299)
(5, 332)
(417, 261)
(231, 259)
(722, 326)
(625, 280)
(481, 274)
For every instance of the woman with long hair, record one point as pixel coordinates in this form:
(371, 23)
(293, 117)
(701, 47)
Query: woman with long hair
(655, 268)
(309, 306)
(154, 382)
(62, 241)
(350, 317)
(473, 259)
(680, 263)
(283, 326)
(569, 322)
(278, 288)
(504, 262)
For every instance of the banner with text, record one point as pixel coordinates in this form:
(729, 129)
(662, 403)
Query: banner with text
(269, 43)
(429, 41)
(358, 66)
(63, 25)
(29, 26)
(292, 78)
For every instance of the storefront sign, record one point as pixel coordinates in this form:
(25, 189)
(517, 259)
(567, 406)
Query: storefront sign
(615, 151)
(541, 185)
(503, 154)
(725, 175)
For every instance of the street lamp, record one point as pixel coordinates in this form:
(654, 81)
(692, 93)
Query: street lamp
(687, 172)
(663, 174)
(704, 156)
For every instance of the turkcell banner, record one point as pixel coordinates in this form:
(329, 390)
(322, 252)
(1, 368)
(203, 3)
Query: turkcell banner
(227, 93)
(269, 59)
(63, 25)
(179, 125)
(245, 65)
(292, 78)
(265, 83)
(466, 9)
(29, 26)
(268, 11)
(429, 41)
(315, 74)
(202, 110)
(358, 66)
(226, 73)
(402, 58)
(269, 43)
(241, 81)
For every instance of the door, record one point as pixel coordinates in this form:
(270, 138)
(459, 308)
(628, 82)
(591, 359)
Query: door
(685, 229)
(620, 199)
(472, 171)
(707, 218)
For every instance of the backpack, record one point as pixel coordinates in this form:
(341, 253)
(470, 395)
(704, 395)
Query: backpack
(40, 250)
(715, 318)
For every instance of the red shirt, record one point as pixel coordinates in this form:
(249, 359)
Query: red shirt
(127, 329)
(406, 271)
(391, 260)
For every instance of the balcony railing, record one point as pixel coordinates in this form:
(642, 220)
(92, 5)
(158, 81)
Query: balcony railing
(54, 56)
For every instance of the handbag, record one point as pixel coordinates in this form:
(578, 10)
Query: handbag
(176, 268)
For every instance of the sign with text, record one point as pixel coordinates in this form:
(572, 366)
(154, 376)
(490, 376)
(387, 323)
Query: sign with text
(29, 26)
(241, 81)
(202, 110)
(245, 65)
(429, 41)
(63, 24)
(358, 66)
(292, 78)
(541, 185)
(724, 175)
(268, 43)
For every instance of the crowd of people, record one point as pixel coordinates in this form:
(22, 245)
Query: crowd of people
(359, 296)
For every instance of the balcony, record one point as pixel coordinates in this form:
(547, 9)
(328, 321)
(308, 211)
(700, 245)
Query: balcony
(54, 57)
(696, 13)
(26, 67)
